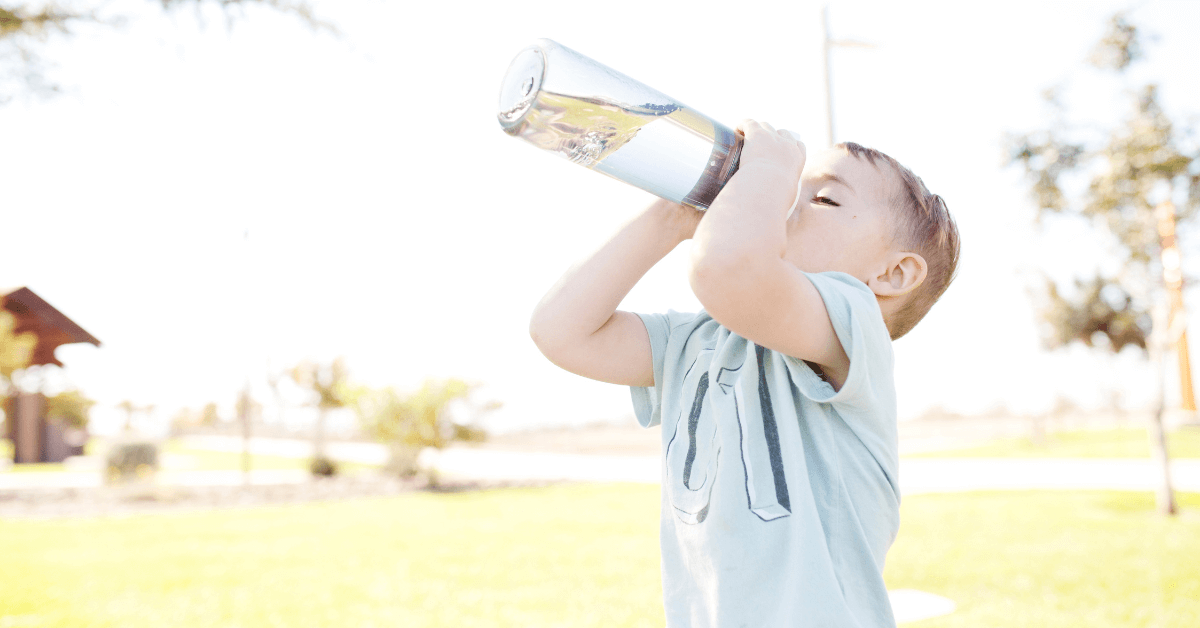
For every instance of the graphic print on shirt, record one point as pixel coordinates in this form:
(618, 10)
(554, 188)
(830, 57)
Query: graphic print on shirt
(766, 485)
(691, 456)
(694, 449)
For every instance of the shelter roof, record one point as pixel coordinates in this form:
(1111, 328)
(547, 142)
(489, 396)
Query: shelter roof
(52, 328)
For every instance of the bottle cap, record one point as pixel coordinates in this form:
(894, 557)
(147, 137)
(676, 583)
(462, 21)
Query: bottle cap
(521, 86)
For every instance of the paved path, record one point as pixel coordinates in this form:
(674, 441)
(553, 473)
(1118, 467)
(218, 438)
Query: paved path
(941, 475)
(917, 475)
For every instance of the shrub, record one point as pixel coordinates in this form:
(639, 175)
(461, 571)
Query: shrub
(134, 460)
(322, 466)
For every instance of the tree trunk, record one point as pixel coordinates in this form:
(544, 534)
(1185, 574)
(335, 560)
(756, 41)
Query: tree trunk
(244, 411)
(319, 435)
(1165, 495)
(1159, 341)
(403, 459)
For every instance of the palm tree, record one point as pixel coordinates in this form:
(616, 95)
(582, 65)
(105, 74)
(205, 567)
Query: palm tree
(328, 382)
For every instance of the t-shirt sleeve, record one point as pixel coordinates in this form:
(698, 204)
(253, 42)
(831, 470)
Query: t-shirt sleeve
(858, 323)
(647, 400)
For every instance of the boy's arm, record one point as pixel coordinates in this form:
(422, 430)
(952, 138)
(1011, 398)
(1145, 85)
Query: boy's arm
(577, 325)
(738, 270)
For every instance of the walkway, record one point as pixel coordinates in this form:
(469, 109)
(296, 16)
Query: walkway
(917, 475)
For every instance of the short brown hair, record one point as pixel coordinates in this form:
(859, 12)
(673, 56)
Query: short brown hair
(923, 225)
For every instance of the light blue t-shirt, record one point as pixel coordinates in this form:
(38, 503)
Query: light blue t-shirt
(780, 496)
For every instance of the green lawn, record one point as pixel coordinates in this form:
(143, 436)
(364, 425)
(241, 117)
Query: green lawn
(1114, 443)
(571, 555)
(1051, 559)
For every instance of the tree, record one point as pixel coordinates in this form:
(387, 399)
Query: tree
(409, 423)
(247, 411)
(16, 350)
(1132, 183)
(24, 26)
(209, 417)
(328, 382)
(131, 409)
(70, 407)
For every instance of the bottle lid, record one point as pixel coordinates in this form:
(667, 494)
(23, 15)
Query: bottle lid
(521, 85)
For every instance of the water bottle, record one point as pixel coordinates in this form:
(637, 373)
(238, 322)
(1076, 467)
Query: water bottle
(568, 104)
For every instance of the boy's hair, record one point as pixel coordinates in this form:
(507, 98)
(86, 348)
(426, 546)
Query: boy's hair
(923, 225)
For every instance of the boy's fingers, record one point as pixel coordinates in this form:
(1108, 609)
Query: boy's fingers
(747, 124)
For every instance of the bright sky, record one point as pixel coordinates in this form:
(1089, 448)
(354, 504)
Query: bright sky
(214, 203)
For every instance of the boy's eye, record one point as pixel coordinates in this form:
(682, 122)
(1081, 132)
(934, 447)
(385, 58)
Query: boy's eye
(825, 200)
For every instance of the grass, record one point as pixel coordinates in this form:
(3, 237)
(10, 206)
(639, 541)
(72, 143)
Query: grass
(1051, 559)
(558, 556)
(572, 555)
(1112, 443)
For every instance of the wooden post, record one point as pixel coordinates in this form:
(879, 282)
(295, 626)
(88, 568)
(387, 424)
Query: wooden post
(26, 418)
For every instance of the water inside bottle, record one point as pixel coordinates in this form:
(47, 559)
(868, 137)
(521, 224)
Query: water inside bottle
(668, 150)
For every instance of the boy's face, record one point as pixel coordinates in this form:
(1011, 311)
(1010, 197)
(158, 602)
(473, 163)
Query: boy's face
(841, 221)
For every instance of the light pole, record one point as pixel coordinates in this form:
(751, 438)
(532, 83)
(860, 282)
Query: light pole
(827, 44)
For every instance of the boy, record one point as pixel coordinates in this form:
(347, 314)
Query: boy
(780, 495)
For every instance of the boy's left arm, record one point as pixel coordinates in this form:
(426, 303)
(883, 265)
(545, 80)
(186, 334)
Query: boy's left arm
(738, 269)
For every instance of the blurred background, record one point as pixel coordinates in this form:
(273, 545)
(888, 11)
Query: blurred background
(218, 199)
(301, 222)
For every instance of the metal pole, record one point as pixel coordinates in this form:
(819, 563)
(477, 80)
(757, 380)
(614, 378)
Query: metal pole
(826, 44)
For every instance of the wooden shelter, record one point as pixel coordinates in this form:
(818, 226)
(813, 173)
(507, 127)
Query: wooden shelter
(34, 437)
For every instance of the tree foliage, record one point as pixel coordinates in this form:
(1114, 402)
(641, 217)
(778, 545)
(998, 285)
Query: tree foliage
(1142, 160)
(70, 407)
(25, 27)
(327, 382)
(16, 350)
(421, 419)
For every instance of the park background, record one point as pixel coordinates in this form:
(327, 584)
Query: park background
(216, 202)
(218, 199)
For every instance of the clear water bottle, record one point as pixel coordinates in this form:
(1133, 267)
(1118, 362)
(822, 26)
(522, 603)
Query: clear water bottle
(566, 103)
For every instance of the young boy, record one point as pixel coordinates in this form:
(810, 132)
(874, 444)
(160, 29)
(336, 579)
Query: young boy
(777, 402)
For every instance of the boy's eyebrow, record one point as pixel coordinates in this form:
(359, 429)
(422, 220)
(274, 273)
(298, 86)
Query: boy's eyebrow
(829, 177)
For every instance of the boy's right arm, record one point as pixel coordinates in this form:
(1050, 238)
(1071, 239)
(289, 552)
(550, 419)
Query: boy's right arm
(577, 325)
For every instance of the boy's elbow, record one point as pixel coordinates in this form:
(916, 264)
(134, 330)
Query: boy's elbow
(545, 335)
(716, 277)
(538, 328)
(726, 286)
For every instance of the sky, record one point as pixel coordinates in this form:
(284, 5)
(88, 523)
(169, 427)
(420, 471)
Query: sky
(216, 203)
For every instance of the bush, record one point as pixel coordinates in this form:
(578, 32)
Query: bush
(135, 460)
(323, 467)
(409, 423)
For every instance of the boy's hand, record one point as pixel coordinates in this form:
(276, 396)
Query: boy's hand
(769, 153)
(739, 269)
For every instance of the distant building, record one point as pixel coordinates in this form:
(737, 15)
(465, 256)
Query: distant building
(36, 438)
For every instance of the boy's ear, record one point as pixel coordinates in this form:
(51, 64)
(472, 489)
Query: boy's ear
(904, 271)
